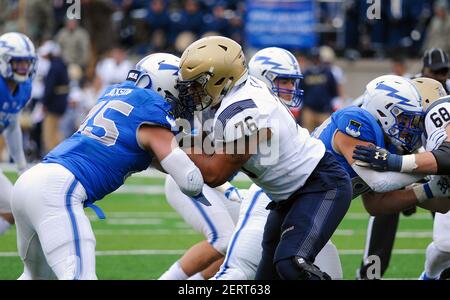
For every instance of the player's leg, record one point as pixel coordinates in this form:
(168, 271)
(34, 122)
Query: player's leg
(438, 252)
(209, 272)
(380, 238)
(6, 217)
(312, 215)
(271, 237)
(244, 251)
(309, 224)
(55, 211)
(214, 222)
(329, 262)
(29, 247)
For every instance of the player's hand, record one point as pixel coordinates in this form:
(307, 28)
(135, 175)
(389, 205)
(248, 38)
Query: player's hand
(232, 194)
(202, 199)
(377, 158)
(437, 187)
(436, 139)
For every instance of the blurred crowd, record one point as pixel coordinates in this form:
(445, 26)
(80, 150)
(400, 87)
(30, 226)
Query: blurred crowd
(79, 58)
(407, 26)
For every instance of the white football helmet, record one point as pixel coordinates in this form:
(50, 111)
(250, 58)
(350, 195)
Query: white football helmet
(162, 69)
(271, 63)
(397, 105)
(159, 72)
(16, 46)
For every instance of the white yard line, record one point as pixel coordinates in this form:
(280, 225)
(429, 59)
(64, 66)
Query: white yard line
(181, 251)
(145, 232)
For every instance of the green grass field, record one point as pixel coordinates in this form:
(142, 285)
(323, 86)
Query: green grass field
(142, 236)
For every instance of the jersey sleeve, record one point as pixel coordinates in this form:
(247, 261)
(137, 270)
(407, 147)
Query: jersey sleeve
(156, 111)
(358, 125)
(239, 119)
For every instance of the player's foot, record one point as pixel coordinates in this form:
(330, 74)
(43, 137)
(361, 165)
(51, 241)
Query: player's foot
(445, 275)
(424, 276)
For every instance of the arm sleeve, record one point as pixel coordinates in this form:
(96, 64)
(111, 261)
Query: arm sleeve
(184, 172)
(13, 136)
(382, 182)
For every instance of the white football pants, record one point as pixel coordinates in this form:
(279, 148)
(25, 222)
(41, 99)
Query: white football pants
(54, 235)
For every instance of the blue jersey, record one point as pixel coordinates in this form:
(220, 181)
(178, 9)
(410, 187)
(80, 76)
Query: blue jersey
(105, 150)
(355, 122)
(11, 104)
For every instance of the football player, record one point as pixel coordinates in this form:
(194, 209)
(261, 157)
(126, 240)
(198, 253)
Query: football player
(437, 107)
(280, 71)
(17, 67)
(125, 132)
(215, 222)
(253, 131)
(394, 103)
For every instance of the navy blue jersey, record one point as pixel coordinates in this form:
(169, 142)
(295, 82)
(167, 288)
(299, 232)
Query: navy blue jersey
(355, 122)
(11, 104)
(105, 150)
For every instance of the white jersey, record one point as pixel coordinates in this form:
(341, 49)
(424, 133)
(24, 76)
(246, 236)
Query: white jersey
(436, 120)
(282, 165)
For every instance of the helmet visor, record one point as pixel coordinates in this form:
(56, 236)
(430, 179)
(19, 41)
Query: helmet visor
(192, 93)
(408, 129)
(288, 87)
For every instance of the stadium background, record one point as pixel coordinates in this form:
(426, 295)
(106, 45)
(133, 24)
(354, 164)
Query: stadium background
(142, 235)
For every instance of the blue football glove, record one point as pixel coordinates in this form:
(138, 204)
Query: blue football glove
(202, 199)
(377, 158)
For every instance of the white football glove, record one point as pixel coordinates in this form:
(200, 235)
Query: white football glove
(436, 138)
(437, 187)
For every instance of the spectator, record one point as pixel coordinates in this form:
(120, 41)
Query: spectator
(158, 24)
(439, 29)
(56, 90)
(189, 19)
(328, 57)
(39, 19)
(320, 89)
(97, 19)
(113, 69)
(74, 43)
(436, 66)
(216, 22)
(9, 16)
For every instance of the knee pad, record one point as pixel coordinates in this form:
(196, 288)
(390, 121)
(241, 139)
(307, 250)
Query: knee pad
(297, 268)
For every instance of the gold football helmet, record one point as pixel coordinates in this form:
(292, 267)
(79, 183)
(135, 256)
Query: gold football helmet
(429, 89)
(209, 69)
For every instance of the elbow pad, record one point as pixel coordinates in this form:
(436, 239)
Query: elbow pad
(185, 173)
(442, 155)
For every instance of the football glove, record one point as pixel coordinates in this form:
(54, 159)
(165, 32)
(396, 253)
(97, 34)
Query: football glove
(377, 158)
